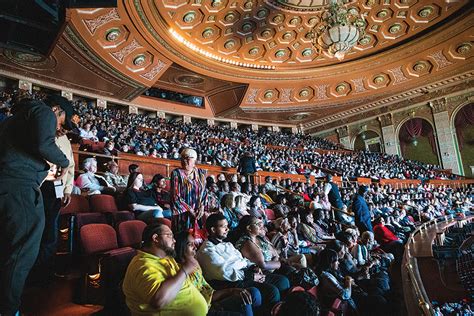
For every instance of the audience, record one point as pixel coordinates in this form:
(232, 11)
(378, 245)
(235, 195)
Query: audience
(247, 257)
(141, 201)
(91, 182)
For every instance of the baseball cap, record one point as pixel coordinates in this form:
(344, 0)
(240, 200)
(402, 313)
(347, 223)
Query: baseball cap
(65, 105)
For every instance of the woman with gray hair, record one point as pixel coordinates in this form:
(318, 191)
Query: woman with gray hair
(188, 192)
(91, 182)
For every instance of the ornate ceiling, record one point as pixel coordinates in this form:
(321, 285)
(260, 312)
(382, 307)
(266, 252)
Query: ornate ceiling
(253, 59)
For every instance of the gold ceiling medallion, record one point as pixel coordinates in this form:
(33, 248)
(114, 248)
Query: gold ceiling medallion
(395, 28)
(299, 116)
(339, 30)
(112, 35)
(419, 66)
(379, 79)
(464, 48)
(426, 12)
(268, 94)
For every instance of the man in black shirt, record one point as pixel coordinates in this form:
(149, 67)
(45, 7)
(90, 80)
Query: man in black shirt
(28, 141)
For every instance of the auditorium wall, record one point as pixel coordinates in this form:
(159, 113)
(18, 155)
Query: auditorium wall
(467, 150)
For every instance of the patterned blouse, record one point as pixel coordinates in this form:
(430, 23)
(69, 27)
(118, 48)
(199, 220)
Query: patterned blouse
(263, 245)
(186, 193)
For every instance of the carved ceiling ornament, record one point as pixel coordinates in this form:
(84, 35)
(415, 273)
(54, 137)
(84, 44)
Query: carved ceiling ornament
(277, 19)
(125, 51)
(398, 75)
(153, 72)
(272, 27)
(94, 24)
(252, 95)
(440, 59)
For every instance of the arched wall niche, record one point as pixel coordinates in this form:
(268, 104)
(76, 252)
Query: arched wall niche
(417, 140)
(462, 125)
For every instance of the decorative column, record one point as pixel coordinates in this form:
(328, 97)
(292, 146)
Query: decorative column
(344, 139)
(186, 119)
(102, 104)
(294, 130)
(67, 94)
(132, 109)
(254, 127)
(160, 114)
(390, 141)
(276, 128)
(233, 125)
(449, 152)
(211, 122)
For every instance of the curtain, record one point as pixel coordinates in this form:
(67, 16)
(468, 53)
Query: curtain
(415, 128)
(464, 117)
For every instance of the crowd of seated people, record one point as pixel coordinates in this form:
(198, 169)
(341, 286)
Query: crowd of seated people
(257, 242)
(218, 145)
(223, 146)
(251, 261)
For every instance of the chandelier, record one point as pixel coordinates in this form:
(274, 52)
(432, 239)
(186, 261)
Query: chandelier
(339, 30)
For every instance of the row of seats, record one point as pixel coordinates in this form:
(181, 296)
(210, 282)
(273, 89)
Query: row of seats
(104, 261)
(84, 210)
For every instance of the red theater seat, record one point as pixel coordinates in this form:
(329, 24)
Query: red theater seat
(79, 204)
(103, 203)
(130, 233)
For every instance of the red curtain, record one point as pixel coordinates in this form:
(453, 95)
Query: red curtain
(415, 128)
(464, 117)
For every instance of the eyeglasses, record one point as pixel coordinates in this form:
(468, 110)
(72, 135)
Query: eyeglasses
(167, 234)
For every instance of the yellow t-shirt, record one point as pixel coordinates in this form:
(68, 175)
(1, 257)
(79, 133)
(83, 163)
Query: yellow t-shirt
(144, 276)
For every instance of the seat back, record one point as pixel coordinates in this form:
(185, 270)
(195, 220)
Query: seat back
(130, 233)
(78, 204)
(102, 203)
(97, 238)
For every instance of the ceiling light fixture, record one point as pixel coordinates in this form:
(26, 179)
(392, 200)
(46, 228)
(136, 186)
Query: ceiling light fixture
(339, 30)
(207, 54)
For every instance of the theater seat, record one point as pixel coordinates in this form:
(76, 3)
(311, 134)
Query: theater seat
(104, 264)
(102, 203)
(78, 204)
(81, 220)
(66, 222)
(160, 220)
(130, 233)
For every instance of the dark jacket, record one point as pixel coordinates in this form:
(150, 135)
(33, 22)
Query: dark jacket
(362, 213)
(247, 165)
(27, 140)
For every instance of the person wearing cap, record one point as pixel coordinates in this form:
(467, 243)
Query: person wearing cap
(27, 142)
(361, 210)
(188, 192)
(56, 192)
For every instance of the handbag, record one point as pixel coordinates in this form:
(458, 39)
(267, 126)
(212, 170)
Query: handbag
(304, 277)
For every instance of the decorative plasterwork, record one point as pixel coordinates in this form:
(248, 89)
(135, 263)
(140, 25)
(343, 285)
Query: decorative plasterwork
(119, 44)
(438, 105)
(94, 24)
(385, 120)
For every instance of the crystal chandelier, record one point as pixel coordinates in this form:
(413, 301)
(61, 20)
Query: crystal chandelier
(339, 30)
